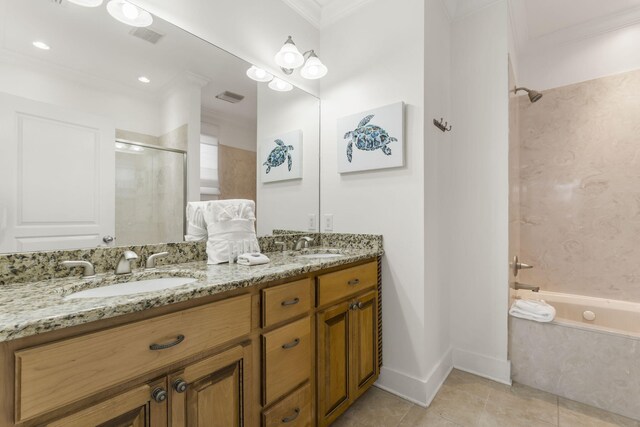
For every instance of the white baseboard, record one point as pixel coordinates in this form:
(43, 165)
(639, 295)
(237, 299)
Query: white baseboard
(484, 366)
(416, 390)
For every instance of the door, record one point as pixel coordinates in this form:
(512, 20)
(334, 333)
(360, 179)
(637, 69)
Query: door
(134, 408)
(212, 392)
(334, 346)
(57, 180)
(364, 361)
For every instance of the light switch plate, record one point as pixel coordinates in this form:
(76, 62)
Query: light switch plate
(328, 222)
(311, 222)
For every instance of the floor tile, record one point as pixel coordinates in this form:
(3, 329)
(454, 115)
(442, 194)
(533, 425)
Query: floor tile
(457, 405)
(478, 386)
(574, 414)
(519, 405)
(421, 417)
(377, 408)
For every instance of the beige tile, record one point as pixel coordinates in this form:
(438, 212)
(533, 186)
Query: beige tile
(420, 417)
(345, 421)
(455, 404)
(574, 414)
(377, 408)
(520, 406)
(478, 386)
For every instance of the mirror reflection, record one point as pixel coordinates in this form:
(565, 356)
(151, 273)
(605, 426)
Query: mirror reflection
(108, 129)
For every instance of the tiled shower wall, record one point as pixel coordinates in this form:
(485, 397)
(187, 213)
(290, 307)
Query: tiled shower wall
(579, 155)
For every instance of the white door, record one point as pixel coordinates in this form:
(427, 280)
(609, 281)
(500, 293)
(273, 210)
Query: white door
(57, 184)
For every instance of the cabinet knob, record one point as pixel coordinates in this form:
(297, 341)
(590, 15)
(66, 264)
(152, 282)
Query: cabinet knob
(159, 394)
(353, 306)
(180, 385)
(360, 305)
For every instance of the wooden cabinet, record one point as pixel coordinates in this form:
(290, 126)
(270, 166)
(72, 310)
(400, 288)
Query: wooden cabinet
(347, 354)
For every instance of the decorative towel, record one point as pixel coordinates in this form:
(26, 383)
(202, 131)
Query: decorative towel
(196, 224)
(253, 259)
(538, 311)
(229, 221)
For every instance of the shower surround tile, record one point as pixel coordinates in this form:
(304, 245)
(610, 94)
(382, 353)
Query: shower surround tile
(579, 156)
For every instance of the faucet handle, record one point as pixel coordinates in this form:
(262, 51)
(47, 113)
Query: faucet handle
(88, 272)
(281, 245)
(516, 266)
(151, 259)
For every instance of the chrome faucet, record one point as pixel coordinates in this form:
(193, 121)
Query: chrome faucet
(88, 272)
(124, 263)
(151, 259)
(526, 287)
(303, 242)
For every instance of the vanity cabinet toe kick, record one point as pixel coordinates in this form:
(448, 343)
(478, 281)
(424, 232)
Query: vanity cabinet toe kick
(296, 353)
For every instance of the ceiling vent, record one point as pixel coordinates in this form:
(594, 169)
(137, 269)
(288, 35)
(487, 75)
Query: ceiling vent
(146, 34)
(230, 97)
(56, 1)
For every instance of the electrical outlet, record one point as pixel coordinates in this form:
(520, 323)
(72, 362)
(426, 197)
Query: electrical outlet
(328, 222)
(311, 222)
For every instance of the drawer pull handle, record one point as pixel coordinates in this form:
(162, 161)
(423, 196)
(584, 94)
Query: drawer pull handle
(291, 302)
(353, 282)
(292, 417)
(291, 344)
(178, 340)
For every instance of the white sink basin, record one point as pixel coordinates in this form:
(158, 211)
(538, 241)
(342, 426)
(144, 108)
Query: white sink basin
(313, 256)
(130, 288)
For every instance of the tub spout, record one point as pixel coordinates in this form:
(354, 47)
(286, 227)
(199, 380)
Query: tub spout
(526, 287)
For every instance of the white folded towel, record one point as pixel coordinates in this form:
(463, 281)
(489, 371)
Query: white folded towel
(229, 221)
(538, 311)
(196, 224)
(253, 259)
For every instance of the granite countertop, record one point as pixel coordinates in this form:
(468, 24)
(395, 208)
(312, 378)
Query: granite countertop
(33, 308)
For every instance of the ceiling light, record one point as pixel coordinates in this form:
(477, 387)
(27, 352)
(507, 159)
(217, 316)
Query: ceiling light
(289, 56)
(313, 68)
(129, 14)
(258, 74)
(136, 148)
(41, 45)
(280, 85)
(86, 3)
(144, 79)
(120, 146)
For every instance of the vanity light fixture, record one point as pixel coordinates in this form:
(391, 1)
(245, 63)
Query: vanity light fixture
(280, 85)
(129, 14)
(87, 3)
(259, 75)
(144, 79)
(290, 58)
(41, 45)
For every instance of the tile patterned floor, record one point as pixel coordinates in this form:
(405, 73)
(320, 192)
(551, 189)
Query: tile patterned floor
(467, 400)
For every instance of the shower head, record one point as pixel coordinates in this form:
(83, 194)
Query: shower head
(534, 95)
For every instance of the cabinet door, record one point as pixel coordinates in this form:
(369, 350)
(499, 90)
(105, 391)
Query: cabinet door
(364, 363)
(334, 346)
(211, 392)
(134, 408)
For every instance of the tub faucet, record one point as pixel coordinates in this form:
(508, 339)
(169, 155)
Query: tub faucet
(526, 287)
(124, 263)
(303, 242)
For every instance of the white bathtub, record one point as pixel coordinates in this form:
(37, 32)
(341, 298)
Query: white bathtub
(596, 362)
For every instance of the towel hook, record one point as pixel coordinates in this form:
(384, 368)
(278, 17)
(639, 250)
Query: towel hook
(442, 125)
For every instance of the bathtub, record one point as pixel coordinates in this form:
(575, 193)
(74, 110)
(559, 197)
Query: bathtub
(589, 353)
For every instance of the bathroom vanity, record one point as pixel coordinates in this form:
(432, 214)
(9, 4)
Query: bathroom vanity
(292, 343)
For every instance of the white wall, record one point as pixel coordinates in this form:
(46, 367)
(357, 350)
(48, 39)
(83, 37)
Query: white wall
(288, 204)
(254, 30)
(477, 207)
(584, 59)
(232, 132)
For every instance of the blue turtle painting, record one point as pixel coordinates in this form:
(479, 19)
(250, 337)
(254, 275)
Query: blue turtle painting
(278, 154)
(368, 137)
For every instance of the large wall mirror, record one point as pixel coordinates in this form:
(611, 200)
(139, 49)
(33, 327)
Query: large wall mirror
(107, 130)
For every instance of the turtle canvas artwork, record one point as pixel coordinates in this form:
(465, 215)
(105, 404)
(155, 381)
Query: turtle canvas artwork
(281, 157)
(372, 139)
(368, 137)
(278, 155)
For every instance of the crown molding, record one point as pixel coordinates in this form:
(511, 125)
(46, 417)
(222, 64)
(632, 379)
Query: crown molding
(308, 9)
(322, 16)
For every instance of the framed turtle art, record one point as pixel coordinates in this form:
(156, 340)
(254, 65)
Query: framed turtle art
(281, 157)
(373, 139)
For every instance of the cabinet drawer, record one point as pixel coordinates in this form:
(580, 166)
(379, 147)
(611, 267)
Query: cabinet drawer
(293, 411)
(286, 359)
(335, 286)
(285, 302)
(53, 375)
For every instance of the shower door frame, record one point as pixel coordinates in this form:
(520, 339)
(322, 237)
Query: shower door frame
(184, 172)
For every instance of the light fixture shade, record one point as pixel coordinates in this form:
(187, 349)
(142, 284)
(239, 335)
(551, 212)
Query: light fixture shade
(289, 56)
(258, 74)
(87, 3)
(313, 68)
(41, 45)
(280, 85)
(129, 13)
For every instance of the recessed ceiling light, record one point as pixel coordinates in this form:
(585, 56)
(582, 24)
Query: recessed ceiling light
(144, 79)
(280, 85)
(87, 3)
(129, 13)
(41, 45)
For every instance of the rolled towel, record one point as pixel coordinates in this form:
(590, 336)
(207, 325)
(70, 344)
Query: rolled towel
(196, 224)
(538, 311)
(253, 259)
(229, 221)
